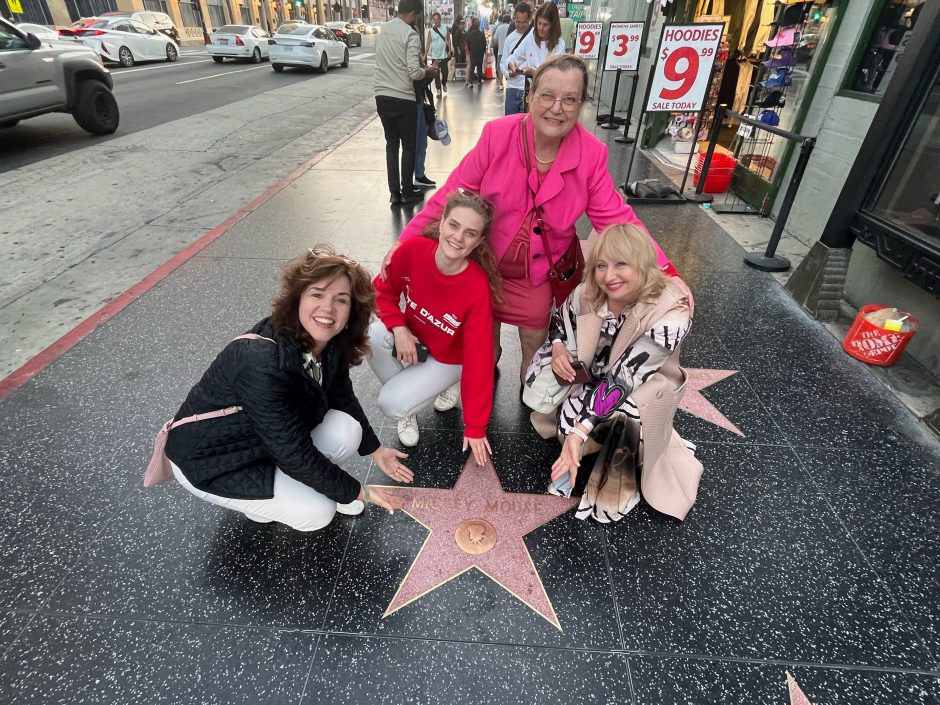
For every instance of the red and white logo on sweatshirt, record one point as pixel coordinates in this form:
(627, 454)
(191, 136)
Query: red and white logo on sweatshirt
(448, 323)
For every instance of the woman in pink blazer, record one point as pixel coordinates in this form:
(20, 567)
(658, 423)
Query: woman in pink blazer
(547, 159)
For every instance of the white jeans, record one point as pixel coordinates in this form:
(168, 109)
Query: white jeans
(294, 503)
(406, 390)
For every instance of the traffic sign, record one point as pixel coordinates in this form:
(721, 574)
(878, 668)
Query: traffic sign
(623, 46)
(683, 66)
(587, 42)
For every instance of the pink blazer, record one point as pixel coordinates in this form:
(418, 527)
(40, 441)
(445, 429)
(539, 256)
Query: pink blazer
(578, 183)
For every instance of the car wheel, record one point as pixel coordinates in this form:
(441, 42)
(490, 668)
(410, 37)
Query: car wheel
(125, 57)
(345, 64)
(277, 67)
(8, 123)
(324, 64)
(256, 56)
(171, 53)
(217, 59)
(96, 110)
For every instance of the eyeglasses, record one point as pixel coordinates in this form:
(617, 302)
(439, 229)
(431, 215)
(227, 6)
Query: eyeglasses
(328, 253)
(568, 102)
(476, 197)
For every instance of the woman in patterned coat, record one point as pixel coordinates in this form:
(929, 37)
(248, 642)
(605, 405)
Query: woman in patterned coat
(625, 323)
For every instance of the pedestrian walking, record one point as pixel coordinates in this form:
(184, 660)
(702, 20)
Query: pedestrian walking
(542, 42)
(397, 66)
(440, 51)
(515, 81)
(497, 44)
(476, 47)
(458, 35)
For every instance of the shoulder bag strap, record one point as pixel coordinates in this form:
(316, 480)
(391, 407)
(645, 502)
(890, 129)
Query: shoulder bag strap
(539, 226)
(520, 39)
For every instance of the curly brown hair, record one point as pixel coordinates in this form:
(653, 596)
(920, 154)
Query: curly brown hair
(482, 254)
(323, 264)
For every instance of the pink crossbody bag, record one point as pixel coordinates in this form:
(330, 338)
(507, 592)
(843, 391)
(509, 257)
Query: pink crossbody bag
(159, 470)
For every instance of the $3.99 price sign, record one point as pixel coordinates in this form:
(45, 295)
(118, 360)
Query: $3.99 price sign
(587, 41)
(683, 67)
(623, 46)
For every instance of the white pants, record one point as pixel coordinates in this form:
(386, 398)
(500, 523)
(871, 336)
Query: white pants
(295, 503)
(406, 390)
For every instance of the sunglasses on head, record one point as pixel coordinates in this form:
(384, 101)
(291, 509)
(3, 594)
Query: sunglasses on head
(327, 253)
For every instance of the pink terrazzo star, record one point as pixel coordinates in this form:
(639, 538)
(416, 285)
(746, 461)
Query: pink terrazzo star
(697, 405)
(797, 696)
(478, 496)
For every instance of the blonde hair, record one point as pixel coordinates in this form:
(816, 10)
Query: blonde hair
(628, 243)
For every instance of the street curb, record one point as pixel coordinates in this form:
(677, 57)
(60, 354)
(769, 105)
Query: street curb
(67, 341)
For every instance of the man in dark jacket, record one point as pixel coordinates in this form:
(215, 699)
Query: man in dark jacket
(476, 46)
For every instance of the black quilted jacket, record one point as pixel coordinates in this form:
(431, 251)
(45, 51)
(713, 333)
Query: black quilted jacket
(234, 456)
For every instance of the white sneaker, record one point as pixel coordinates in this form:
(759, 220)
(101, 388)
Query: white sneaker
(448, 399)
(408, 431)
(351, 509)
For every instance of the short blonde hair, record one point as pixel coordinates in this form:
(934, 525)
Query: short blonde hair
(628, 243)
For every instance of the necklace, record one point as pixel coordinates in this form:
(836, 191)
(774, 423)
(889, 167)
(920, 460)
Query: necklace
(542, 161)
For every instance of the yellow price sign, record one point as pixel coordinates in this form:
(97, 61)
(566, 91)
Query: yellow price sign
(15, 7)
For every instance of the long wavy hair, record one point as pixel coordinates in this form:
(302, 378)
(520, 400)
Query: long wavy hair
(549, 11)
(628, 243)
(482, 253)
(323, 264)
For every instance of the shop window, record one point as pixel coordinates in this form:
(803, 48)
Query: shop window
(188, 14)
(156, 6)
(908, 196)
(884, 44)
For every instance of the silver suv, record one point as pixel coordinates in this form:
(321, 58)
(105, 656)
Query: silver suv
(37, 78)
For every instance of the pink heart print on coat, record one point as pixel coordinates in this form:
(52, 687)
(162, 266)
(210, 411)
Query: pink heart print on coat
(605, 400)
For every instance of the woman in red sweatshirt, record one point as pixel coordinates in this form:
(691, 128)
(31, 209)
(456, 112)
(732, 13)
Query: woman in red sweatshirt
(440, 347)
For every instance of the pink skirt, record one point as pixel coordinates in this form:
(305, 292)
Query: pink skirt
(524, 305)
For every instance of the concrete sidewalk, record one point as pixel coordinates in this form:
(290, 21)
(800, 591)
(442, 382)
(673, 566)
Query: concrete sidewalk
(811, 549)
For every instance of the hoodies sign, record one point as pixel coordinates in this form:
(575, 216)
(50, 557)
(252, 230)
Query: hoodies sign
(683, 67)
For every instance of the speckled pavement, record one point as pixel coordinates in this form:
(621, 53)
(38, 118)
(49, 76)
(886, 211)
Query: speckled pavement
(812, 547)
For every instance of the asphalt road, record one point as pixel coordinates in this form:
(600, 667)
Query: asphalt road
(154, 93)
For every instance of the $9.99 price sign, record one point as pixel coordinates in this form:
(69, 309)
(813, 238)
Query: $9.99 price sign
(623, 46)
(587, 41)
(683, 67)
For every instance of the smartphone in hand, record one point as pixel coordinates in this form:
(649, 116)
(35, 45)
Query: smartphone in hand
(420, 348)
(582, 375)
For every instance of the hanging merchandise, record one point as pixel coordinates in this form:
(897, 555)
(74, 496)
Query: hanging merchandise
(784, 59)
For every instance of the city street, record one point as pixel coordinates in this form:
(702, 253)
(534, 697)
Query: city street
(198, 141)
(152, 94)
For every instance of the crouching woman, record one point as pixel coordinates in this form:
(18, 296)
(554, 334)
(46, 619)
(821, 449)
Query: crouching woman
(624, 326)
(293, 419)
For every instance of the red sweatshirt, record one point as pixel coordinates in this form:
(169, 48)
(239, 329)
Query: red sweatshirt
(451, 314)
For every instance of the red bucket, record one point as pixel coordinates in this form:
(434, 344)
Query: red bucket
(875, 345)
(718, 179)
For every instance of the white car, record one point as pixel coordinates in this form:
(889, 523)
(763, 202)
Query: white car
(239, 41)
(41, 32)
(122, 40)
(309, 45)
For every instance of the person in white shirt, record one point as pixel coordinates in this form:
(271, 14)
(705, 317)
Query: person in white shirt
(515, 81)
(544, 41)
(440, 49)
(498, 43)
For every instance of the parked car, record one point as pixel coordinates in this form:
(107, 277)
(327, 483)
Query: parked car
(345, 31)
(310, 45)
(357, 24)
(239, 41)
(159, 21)
(374, 27)
(44, 32)
(40, 78)
(122, 40)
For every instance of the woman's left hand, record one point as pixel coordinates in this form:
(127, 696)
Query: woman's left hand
(388, 460)
(569, 460)
(480, 447)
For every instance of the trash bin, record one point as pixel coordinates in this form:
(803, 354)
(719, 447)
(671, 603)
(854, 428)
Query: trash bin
(874, 344)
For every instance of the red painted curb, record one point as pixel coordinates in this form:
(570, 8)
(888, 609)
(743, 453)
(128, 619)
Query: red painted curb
(49, 354)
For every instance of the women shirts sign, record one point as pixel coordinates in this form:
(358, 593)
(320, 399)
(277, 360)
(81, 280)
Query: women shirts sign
(683, 67)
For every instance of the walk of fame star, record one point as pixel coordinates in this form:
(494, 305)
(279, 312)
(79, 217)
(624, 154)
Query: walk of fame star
(477, 525)
(698, 405)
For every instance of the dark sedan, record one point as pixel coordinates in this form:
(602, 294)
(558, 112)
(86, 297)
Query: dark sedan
(346, 33)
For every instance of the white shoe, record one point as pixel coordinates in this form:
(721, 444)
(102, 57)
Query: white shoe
(258, 519)
(447, 399)
(351, 509)
(408, 431)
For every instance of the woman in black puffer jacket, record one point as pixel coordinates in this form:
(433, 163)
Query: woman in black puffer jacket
(279, 458)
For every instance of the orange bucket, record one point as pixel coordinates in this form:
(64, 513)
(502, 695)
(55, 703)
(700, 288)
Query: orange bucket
(875, 345)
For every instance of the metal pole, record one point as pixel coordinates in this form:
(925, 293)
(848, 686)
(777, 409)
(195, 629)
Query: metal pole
(633, 152)
(610, 124)
(698, 126)
(625, 137)
(698, 196)
(769, 262)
